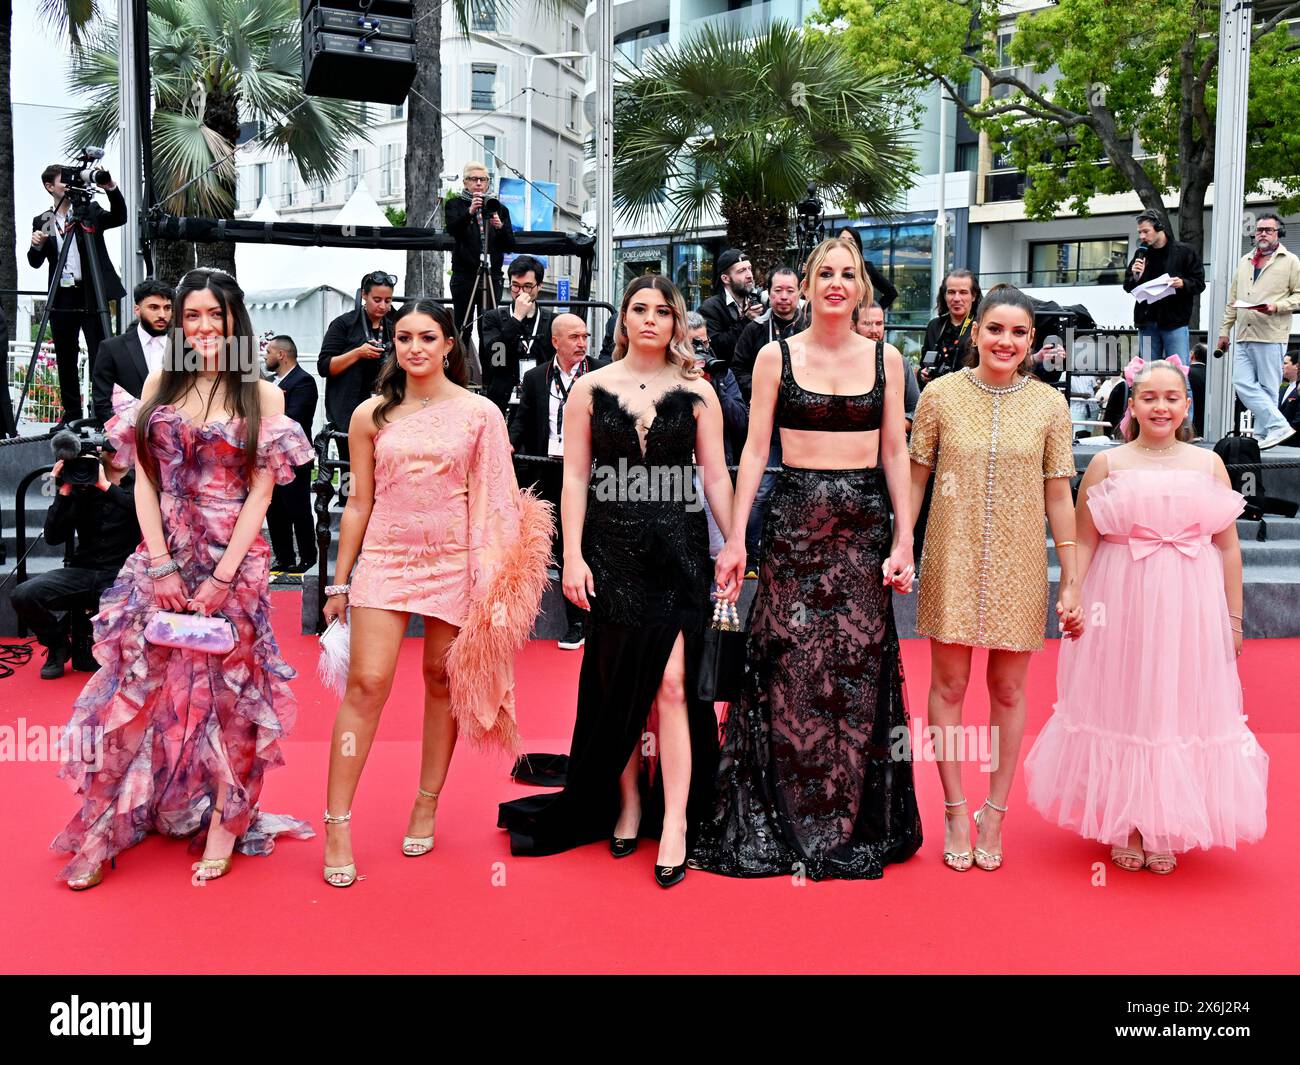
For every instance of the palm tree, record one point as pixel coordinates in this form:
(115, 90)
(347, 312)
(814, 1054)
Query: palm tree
(737, 124)
(215, 63)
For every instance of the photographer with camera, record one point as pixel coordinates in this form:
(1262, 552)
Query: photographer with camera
(733, 306)
(126, 360)
(95, 509)
(73, 310)
(948, 335)
(785, 316)
(353, 351)
(519, 330)
(477, 220)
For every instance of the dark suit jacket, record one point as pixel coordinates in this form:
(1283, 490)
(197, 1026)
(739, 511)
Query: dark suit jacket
(500, 327)
(1290, 408)
(725, 323)
(97, 220)
(469, 242)
(346, 391)
(300, 395)
(120, 361)
(530, 425)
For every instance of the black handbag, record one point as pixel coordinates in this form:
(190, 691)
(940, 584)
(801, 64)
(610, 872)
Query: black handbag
(722, 665)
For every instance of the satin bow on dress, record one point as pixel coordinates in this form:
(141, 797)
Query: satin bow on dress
(1143, 540)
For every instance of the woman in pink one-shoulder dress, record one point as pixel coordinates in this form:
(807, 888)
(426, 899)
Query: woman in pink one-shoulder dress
(1148, 748)
(442, 531)
(185, 736)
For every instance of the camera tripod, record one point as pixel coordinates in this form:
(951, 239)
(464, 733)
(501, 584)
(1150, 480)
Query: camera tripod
(92, 275)
(482, 296)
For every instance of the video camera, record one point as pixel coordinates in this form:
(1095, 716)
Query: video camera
(79, 177)
(79, 452)
(810, 206)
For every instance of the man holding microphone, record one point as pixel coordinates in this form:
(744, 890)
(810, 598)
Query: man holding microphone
(1164, 326)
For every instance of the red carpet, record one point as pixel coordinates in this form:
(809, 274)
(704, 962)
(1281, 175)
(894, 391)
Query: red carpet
(469, 907)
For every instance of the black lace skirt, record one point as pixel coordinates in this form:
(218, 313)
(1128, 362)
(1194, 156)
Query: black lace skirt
(815, 777)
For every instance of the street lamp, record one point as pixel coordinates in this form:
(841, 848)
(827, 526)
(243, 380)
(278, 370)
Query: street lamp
(528, 58)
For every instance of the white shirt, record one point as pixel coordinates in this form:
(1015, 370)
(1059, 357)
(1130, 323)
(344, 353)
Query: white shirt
(1287, 394)
(555, 440)
(153, 348)
(73, 264)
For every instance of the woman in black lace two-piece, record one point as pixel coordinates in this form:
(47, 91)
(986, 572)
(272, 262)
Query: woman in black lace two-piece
(815, 775)
(644, 753)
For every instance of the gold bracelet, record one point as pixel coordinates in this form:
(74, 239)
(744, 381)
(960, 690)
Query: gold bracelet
(1066, 543)
(1235, 629)
(1237, 616)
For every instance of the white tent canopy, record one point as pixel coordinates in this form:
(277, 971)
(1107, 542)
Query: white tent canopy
(276, 266)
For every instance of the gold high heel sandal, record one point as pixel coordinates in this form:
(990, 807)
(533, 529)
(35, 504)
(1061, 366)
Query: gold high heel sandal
(987, 860)
(415, 846)
(213, 868)
(958, 861)
(347, 874)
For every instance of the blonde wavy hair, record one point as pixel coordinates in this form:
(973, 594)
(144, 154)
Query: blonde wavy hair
(679, 353)
(818, 256)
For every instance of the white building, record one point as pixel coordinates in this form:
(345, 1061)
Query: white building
(484, 87)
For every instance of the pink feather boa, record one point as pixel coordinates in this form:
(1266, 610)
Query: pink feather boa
(480, 660)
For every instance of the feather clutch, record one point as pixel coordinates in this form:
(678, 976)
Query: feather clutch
(335, 651)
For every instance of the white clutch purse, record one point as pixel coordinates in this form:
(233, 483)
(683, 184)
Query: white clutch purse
(335, 647)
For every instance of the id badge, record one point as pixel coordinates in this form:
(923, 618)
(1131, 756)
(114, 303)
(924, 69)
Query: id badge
(67, 280)
(525, 365)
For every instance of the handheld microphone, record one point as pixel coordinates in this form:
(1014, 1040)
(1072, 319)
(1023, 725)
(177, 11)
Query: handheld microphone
(1141, 253)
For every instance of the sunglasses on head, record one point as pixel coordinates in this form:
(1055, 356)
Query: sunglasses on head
(380, 278)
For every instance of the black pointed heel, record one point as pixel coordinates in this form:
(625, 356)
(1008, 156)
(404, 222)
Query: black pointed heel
(621, 848)
(668, 875)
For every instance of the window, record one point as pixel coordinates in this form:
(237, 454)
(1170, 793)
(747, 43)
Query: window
(354, 171)
(318, 192)
(573, 180)
(397, 110)
(1078, 262)
(967, 157)
(573, 111)
(287, 183)
(483, 15)
(483, 87)
(491, 148)
(388, 170)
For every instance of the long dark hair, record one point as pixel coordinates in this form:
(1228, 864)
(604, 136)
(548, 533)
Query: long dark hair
(941, 300)
(391, 384)
(1004, 295)
(240, 385)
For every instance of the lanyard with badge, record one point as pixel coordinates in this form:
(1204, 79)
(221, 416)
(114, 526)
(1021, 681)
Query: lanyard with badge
(559, 390)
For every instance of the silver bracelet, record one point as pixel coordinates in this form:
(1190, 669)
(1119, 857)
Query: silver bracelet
(332, 590)
(157, 573)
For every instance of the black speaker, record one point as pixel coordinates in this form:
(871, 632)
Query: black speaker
(356, 52)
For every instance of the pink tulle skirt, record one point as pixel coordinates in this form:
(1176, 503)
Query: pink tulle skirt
(1149, 731)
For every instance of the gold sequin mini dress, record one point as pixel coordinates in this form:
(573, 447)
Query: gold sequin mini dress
(984, 567)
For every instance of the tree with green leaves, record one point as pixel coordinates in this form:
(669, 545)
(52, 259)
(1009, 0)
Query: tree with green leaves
(740, 125)
(1091, 96)
(214, 63)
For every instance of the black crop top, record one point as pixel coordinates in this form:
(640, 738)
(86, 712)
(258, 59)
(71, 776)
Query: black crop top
(797, 408)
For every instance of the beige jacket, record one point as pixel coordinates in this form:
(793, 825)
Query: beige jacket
(1278, 283)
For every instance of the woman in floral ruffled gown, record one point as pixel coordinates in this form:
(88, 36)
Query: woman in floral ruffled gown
(188, 736)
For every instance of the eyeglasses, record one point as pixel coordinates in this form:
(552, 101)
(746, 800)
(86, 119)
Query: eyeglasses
(1266, 229)
(515, 286)
(379, 278)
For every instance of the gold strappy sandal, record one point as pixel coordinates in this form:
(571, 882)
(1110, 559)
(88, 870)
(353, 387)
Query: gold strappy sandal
(958, 861)
(212, 868)
(416, 846)
(987, 860)
(346, 874)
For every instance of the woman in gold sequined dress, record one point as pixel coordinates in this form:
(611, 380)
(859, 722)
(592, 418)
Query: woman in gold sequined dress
(998, 443)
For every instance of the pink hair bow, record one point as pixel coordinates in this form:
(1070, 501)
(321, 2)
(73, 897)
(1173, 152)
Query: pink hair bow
(1143, 541)
(1133, 368)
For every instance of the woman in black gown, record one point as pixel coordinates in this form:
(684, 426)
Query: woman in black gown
(815, 774)
(644, 753)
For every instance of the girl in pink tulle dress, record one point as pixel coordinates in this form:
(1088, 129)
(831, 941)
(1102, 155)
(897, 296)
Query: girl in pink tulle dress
(188, 736)
(1148, 748)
